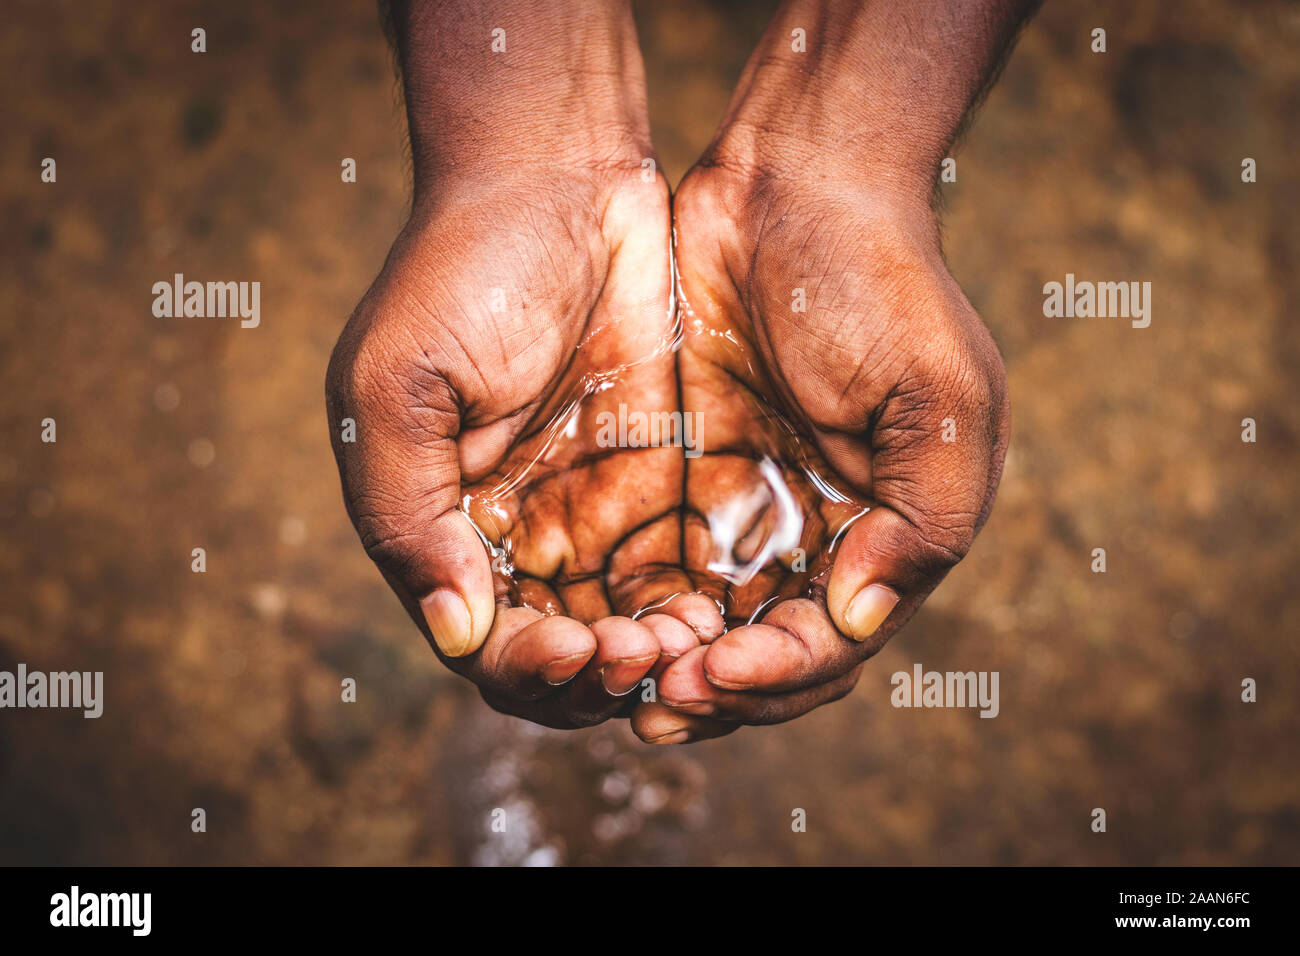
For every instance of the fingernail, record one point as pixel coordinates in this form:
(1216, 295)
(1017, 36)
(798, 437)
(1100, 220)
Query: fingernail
(696, 708)
(449, 622)
(868, 610)
(622, 677)
(721, 684)
(564, 669)
(676, 737)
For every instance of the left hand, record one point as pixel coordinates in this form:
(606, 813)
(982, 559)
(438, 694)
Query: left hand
(889, 373)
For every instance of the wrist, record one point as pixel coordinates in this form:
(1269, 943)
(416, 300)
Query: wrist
(502, 87)
(768, 152)
(864, 91)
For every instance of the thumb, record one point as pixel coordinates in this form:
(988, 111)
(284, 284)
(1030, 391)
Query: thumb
(935, 464)
(400, 470)
(876, 571)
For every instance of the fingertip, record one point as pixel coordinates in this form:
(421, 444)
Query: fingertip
(699, 612)
(684, 688)
(675, 637)
(459, 603)
(859, 596)
(622, 637)
(794, 645)
(459, 627)
(482, 612)
(660, 725)
(553, 649)
(450, 622)
(627, 650)
(867, 610)
(732, 662)
(568, 644)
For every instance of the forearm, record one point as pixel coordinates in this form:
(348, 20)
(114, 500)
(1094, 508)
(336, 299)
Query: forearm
(560, 83)
(879, 94)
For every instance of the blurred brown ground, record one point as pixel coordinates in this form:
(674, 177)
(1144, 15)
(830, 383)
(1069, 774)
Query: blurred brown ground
(222, 690)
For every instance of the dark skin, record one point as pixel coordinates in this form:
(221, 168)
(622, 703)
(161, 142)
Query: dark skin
(536, 260)
(555, 220)
(820, 178)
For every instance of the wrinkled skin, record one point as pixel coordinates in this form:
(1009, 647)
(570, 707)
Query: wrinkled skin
(443, 390)
(887, 351)
(819, 330)
(586, 524)
(451, 397)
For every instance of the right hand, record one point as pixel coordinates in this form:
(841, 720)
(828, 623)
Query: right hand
(450, 396)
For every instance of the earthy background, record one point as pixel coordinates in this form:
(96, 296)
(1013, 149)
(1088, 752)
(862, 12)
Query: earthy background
(1119, 690)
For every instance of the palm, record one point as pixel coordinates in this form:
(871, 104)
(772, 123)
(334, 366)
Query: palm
(830, 339)
(503, 321)
(583, 529)
(580, 525)
(774, 491)
(737, 502)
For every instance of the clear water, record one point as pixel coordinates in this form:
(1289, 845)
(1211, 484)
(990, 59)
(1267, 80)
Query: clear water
(664, 463)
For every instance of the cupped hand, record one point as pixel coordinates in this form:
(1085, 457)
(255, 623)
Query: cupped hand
(506, 311)
(829, 300)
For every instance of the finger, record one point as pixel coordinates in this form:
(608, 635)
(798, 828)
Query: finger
(401, 481)
(674, 637)
(794, 647)
(933, 420)
(546, 711)
(697, 611)
(934, 495)
(527, 656)
(685, 689)
(884, 568)
(761, 709)
(682, 623)
(636, 573)
(685, 621)
(596, 685)
(657, 724)
(625, 651)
